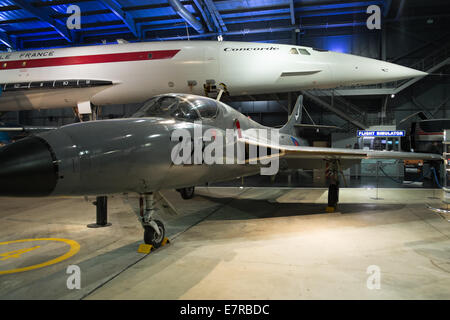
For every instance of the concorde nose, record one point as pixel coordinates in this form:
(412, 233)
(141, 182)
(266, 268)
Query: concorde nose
(398, 72)
(28, 168)
(353, 70)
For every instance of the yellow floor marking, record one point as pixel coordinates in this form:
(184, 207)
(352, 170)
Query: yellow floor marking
(16, 253)
(74, 248)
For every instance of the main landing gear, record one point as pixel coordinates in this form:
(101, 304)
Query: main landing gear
(187, 193)
(154, 231)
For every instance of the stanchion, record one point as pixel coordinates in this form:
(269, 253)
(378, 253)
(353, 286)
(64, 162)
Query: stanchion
(378, 168)
(102, 213)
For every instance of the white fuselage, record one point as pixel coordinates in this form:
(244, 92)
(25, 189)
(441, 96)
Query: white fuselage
(134, 72)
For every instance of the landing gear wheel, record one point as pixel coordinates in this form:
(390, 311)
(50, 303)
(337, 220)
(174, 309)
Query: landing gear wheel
(152, 237)
(187, 193)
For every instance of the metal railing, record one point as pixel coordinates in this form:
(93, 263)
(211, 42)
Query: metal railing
(338, 101)
(428, 63)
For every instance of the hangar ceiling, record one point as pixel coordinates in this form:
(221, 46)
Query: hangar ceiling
(414, 32)
(28, 24)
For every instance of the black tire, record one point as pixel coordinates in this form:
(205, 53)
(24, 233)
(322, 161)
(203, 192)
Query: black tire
(187, 193)
(151, 237)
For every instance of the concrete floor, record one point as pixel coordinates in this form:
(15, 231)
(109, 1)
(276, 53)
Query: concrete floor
(232, 243)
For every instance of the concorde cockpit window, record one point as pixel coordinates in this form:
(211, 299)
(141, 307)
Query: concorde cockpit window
(293, 51)
(304, 52)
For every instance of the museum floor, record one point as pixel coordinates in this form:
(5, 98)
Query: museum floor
(233, 243)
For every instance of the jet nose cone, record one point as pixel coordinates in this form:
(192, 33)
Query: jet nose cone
(416, 73)
(28, 167)
(399, 72)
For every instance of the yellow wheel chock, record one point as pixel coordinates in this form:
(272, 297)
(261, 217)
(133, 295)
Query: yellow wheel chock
(147, 248)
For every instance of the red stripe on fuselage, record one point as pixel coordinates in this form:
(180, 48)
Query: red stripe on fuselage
(423, 133)
(77, 60)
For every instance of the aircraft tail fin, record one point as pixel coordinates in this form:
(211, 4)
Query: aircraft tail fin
(295, 117)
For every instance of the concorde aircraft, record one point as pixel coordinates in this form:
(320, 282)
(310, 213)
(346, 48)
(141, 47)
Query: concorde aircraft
(167, 144)
(81, 77)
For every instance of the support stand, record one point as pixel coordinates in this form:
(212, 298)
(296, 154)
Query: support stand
(333, 188)
(333, 195)
(102, 213)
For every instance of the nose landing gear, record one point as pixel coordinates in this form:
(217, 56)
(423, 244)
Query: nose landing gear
(151, 235)
(154, 230)
(150, 208)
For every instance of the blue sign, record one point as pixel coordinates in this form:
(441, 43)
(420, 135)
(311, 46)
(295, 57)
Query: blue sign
(384, 133)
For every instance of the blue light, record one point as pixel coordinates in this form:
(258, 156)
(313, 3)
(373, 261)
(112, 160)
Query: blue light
(341, 44)
(337, 49)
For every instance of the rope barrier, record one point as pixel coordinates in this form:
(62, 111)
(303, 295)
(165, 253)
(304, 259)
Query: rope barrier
(401, 182)
(435, 177)
(432, 169)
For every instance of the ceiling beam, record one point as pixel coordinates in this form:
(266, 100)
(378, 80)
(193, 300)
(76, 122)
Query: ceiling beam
(400, 9)
(124, 16)
(188, 17)
(45, 15)
(244, 32)
(292, 10)
(338, 6)
(6, 40)
(387, 8)
(205, 15)
(217, 18)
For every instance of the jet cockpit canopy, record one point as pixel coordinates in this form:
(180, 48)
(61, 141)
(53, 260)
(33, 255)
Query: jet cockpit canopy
(182, 107)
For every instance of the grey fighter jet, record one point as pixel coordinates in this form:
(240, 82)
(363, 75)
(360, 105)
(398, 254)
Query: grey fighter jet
(140, 155)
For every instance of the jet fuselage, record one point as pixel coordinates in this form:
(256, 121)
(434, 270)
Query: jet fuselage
(134, 72)
(140, 154)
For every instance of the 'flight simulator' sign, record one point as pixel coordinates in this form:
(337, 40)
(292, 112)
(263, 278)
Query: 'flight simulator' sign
(384, 133)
